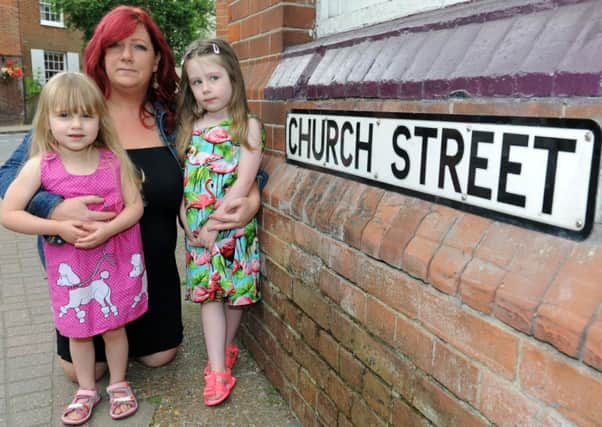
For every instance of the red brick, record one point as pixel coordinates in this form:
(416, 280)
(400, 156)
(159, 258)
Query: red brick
(340, 394)
(307, 388)
(351, 370)
(583, 108)
(402, 230)
(362, 415)
(301, 409)
(572, 300)
(329, 203)
(311, 361)
(277, 224)
(329, 349)
(304, 266)
(365, 207)
(377, 395)
(346, 208)
(571, 390)
(455, 372)
(592, 352)
(530, 108)
(499, 244)
(343, 260)
(272, 19)
(473, 335)
(400, 410)
(312, 303)
(502, 403)
(326, 409)
(418, 256)
(414, 342)
(446, 267)
(517, 299)
(479, 283)
(380, 319)
(441, 408)
(308, 239)
(377, 227)
(437, 223)
(299, 16)
(318, 193)
(467, 232)
(275, 248)
(308, 329)
(233, 32)
(348, 297)
(304, 190)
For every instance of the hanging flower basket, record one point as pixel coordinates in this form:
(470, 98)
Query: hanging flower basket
(10, 71)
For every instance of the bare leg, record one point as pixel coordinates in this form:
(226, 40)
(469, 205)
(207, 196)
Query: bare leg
(214, 329)
(69, 370)
(158, 359)
(82, 352)
(233, 317)
(116, 348)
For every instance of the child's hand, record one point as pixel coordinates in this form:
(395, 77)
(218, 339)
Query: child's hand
(206, 238)
(71, 230)
(98, 234)
(193, 237)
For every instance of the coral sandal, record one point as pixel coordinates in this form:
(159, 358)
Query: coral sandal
(121, 394)
(231, 356)
(83, 403)
(218, 386)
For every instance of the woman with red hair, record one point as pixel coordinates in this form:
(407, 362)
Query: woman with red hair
(130, 60)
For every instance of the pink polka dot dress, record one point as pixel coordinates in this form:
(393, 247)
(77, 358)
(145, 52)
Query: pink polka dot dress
(94, 290)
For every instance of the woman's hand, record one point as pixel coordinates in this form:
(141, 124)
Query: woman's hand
(235, 213)
(76, 208)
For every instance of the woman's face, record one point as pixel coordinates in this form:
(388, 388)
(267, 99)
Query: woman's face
(130, 62)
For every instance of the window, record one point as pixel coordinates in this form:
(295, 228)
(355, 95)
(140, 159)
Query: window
(54, 63)
(47, 63)
(335, 16)
(49, 16)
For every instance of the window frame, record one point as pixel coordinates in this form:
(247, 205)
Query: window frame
(59, 23)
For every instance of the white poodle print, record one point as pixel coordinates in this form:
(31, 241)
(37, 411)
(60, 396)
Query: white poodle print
(137, 270)
(97, 290)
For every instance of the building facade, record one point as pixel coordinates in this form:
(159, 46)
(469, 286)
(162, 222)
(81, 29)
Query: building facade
(383, 306)
(36, 40)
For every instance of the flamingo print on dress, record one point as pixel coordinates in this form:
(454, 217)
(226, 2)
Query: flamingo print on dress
(97, 290)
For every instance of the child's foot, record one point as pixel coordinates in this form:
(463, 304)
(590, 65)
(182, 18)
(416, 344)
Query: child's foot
(80, 409)
(123, 402)
(230, 358)
(218, 386)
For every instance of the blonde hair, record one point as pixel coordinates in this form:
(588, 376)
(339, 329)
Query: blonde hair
(188, 109)
(77, 93)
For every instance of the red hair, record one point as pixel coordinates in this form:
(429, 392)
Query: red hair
(118, 24)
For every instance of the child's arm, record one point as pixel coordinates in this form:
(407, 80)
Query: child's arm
(131, 213)
(14, 216)
(250, 159)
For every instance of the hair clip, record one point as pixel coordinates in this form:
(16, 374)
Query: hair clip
(215, 48)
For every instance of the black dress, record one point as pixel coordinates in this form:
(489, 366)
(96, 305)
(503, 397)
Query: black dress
(160, 328)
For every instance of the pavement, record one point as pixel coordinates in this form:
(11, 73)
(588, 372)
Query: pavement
(33, 390)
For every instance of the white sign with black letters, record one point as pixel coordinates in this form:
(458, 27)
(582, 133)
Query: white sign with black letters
(528, 171)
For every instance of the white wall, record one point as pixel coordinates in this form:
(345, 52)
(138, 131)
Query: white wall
(334, 16)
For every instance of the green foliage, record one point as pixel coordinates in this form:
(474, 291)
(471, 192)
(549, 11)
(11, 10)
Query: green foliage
(32, 88)
(182, 21)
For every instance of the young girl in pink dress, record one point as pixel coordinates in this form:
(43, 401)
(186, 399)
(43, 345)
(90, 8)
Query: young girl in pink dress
(96, 279)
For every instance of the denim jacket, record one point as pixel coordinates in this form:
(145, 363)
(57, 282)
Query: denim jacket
(43, 203)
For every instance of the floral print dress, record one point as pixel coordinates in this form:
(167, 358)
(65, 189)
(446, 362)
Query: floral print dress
(230, 271)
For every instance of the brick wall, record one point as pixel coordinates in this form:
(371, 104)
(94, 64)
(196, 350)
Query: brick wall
(382, 309)
(36, 36)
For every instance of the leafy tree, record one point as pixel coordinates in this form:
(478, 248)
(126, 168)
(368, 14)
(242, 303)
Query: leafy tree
(182, 21)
